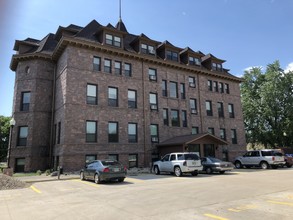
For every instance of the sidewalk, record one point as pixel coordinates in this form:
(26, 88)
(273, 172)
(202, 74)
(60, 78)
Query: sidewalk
(44, 178)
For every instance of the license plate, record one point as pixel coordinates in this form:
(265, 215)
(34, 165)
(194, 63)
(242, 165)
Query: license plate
(116, 169)
(193, 163)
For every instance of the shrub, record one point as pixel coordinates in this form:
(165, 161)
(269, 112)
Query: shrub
(39, 172)
(48, 172)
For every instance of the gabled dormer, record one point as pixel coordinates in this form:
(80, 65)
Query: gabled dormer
(144, 45)
(190, 57)
(110, 36)
(167, 51)
(212, 63)
(28, 45)
(70, 30)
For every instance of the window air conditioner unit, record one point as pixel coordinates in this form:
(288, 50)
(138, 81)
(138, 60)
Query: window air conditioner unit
(155, 139)
(193, 111)
(152, 77)
(152, 51)
(154, 107)
(191, 84)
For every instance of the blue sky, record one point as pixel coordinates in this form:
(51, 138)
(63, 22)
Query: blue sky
(245, 33)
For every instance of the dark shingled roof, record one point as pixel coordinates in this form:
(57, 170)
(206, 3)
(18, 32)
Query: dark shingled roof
(211, 56)
(186, 139)
(121, 26)
(91, 32)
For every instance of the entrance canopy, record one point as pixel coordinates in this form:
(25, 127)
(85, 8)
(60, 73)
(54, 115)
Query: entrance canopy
(193, 142)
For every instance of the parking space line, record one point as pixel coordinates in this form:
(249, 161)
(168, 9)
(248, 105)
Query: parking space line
(35, 189)
(87, 183)
(281, 203)
(242, 208)
(215, 217)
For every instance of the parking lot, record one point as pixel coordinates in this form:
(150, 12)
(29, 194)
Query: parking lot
(241, 194)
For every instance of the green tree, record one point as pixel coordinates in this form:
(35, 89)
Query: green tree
(267, 100)
(4, 136)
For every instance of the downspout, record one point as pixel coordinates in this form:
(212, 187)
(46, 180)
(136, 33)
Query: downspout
(144, 114)
(52, 121)
(199, 106)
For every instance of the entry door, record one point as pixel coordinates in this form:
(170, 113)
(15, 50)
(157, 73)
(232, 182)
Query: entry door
(209, 150)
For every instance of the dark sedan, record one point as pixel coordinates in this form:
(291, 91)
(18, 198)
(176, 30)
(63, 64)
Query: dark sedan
(211, 164)
(103, 170)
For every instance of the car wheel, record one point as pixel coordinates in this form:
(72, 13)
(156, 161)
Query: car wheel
(177, 171)
(209, 170)
(97, 179)
(289, 165)
(81, 176)
(195, 173)
(157, 170)
(264, 165)
(238, 165)
(120, 180)
(222, 172)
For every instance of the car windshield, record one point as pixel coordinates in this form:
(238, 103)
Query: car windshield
(188, 157)
(110, 163)
(214, 159)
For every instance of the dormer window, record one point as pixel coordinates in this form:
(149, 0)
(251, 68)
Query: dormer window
(194, 61)
(217, 66)
(113, 40)
(171, 55)
(147, 49)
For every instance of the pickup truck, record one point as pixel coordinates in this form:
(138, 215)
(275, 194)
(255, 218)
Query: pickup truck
(179, 163)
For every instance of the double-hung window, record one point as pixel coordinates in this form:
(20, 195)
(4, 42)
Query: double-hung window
(107, 66)
(234, 136)
(132, 132)
(171, 55)
(191, 81)
(173, 90)
(193, 106)
(117, 67)
(132, 103)
(194, 61)
(25, 101)
(112, 97)
(152, 74)
(209, 108)
(220, 109)
(154, 133)
(223, 133)
(231, 110)
(175, 118)
(113, 40)
(166, 116)
(164, 88)
(22, 136)
(97, 63)
(91, 131)
(127, 69)
(153, 101)
(113, 135)
(182, 90)
(91, 94)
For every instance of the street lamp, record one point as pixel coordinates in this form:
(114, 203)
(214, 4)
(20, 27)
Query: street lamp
(12, 123)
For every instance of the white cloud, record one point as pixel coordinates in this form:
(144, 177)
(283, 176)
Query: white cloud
(289, 67)
(251, 67)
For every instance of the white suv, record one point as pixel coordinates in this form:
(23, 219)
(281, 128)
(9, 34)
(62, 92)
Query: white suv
(179, 163)
(264, 158)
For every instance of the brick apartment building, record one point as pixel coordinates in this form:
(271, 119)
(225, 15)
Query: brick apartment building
(98, 91)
